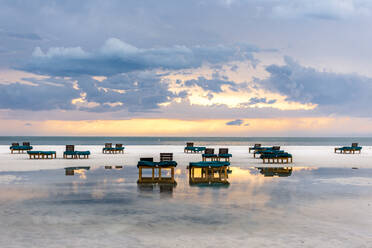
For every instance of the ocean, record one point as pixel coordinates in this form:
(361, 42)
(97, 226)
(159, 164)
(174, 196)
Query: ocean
(233, 141)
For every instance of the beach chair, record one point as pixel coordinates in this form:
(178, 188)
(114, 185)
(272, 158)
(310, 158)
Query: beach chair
(193, 149)
(21, 149)
(276, 158)
(70, 153)
(119, 148)
(223, 153)
(107, 148)
(209, 155)
(42, 154)
(349, 149)
(254, 147)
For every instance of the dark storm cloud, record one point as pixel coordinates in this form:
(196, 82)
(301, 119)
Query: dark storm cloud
(140, 91)
(116, 56)
(213, 85)
(46, 95)
(333, 92)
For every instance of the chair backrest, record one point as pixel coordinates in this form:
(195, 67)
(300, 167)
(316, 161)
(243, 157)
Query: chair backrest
(15, 144)
(257, 145)
(166, 157)
(119, 145)
(189, 144)
(223, 151)
(276, 148)
(108, 145)
(147, 159)
(209, 151)
(70, 148)
(26, 143)
(354, 145)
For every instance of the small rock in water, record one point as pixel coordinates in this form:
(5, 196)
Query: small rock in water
(354, 168)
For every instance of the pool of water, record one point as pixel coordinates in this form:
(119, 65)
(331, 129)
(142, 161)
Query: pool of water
(105, 207)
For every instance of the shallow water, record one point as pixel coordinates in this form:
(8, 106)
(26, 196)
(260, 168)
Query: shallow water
(306, 207)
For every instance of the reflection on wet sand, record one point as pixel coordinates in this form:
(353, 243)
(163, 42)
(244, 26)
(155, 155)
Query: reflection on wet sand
(70, 171)
(275, 171)
(117, 167)
(208, 176)
(164, 188)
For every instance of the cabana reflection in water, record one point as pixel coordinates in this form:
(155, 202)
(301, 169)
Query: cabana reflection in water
(70, 171)
(204, 173)
(165, 189)
(275, 171)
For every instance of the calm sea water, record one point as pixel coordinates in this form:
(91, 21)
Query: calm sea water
(306, 207)
(80, 140)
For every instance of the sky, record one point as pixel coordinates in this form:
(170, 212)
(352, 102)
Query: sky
(186, 67)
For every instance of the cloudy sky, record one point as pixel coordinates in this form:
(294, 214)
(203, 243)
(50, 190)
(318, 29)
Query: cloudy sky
(178, 68)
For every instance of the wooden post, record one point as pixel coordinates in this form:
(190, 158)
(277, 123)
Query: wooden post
(140, 174)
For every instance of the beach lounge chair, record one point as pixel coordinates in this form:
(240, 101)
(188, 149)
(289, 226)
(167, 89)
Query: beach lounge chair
(223, 153)
(259, 150)
(21, 149)
(254, 147)
(209, 155)
(276, 157)
(119, 148)
(70, 153)
(208, 171)
(193, 149)
(42, 154)
(109, 149)
(166, 162)
(349, 149)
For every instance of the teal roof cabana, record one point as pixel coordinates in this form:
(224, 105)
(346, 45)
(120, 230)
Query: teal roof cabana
(208, 170)
(166, 162)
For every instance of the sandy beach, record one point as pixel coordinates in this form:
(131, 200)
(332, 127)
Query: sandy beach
(303, 156)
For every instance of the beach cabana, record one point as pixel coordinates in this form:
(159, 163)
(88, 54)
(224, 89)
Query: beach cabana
(166, 163)
(21, 149)
(109, 149)
(223, 153)
(209, 155)
(193, 149)
(349, 149)
(42, 154)
(205, 172)
(70, 153)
